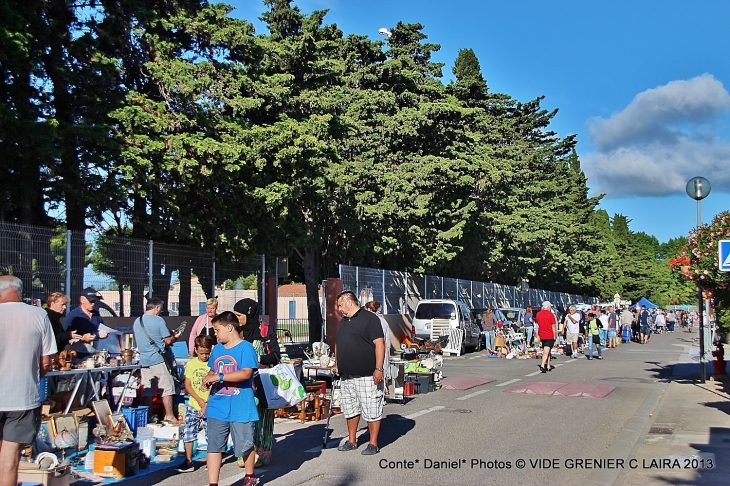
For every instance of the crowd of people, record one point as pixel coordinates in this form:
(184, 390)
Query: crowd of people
(584, 332)
(587, 332)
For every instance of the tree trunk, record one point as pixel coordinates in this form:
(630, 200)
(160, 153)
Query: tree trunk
(312, 280)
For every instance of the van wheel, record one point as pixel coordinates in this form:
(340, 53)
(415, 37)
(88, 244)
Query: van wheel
(463, 349)
(479, 345)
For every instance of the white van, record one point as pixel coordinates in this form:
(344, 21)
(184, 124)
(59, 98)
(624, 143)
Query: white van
(458, 314)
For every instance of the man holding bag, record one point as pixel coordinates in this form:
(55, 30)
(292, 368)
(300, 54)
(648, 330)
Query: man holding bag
(152, 337)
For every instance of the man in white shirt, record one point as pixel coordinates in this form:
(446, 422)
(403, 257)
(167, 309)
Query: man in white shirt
(671, 321)
(25, 356)
(572, 320)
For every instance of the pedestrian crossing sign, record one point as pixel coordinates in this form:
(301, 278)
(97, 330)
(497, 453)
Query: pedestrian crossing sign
(724, 249)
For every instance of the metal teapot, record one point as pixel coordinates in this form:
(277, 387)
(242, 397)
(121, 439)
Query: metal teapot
(127, 355)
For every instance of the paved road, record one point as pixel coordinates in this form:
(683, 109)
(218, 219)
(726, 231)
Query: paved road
(484, 434)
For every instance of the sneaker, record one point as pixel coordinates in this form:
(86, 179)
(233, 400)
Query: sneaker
(186, 467)
(347, 446)
(250, 481)
(370, 450)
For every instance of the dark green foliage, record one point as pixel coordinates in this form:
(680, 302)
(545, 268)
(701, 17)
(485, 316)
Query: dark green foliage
(181, 124)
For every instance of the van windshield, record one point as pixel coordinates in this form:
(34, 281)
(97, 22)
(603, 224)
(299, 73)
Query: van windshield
(434, 310)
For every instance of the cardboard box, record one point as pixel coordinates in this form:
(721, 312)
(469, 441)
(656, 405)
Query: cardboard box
(110, 464)
(167, 432)
(60, 476)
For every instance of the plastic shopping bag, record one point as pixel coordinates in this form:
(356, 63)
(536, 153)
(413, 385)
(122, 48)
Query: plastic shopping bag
(281, 386)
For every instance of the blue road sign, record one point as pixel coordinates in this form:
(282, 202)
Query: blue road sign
(724, 249)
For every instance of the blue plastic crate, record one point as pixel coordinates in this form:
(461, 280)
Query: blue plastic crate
(136, 417)
(44, 389)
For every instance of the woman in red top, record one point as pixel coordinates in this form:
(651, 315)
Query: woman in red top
(548, 332)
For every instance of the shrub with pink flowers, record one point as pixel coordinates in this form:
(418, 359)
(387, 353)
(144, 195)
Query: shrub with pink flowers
(702, 258)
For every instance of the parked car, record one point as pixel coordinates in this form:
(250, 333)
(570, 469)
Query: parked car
(458, 314)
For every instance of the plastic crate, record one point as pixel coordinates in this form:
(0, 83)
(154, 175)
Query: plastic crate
(136, 417)
(44, 389)
(129, 395)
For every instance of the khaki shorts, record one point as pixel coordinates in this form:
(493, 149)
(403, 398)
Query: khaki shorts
(157, 377)
(571, 337)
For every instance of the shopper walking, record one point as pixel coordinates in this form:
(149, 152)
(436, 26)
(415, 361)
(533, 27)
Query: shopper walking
(547, 331)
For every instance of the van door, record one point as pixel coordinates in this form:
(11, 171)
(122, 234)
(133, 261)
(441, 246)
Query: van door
(468, 326)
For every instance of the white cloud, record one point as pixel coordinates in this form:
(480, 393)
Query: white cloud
(657, 169)
(665, 136)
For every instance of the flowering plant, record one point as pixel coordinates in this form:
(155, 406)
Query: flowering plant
(681, 261)
(701, 254)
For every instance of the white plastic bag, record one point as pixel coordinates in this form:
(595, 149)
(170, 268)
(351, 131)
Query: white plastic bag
(281, 386)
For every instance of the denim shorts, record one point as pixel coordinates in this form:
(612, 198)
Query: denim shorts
(242, 433)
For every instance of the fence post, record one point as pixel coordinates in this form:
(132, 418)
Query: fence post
(262, 304)
(68, 262)
(405, 291)
(385, 310)
(213, 285)
(149, 276)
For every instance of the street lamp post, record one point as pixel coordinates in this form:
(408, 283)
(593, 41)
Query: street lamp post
(698, 188)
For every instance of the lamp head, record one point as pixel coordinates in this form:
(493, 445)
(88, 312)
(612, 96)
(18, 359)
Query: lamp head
(698, 188)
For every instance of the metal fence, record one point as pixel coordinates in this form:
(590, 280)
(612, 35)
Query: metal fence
(123, 270)
(399, 292)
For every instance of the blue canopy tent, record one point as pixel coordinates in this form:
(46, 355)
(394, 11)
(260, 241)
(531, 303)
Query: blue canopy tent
(644, 301)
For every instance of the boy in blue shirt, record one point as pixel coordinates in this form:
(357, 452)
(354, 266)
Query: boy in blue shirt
(231, 406)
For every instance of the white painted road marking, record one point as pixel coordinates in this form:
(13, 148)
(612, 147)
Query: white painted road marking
(533, 374)
(472, 395)
(509, 382)
(422, 412)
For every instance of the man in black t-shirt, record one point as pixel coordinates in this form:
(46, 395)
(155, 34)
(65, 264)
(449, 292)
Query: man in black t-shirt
(359, 356)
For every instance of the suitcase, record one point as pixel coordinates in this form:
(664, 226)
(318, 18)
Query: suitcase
(568, 350)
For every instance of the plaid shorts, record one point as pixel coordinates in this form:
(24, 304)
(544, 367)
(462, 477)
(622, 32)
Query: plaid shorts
(359, 395)
(192, 423)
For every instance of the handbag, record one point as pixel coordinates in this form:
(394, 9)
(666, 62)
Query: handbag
(280, 386)
(167, 355)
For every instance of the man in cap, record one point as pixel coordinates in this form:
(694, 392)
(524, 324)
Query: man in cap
(85, 319)
(548, 332)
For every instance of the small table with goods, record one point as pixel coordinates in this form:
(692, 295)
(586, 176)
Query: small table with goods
(91, 376)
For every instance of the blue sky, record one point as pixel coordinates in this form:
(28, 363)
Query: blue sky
(644, 85)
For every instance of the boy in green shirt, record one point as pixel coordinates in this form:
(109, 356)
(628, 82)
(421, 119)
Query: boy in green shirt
(195, 370)
(594, 335)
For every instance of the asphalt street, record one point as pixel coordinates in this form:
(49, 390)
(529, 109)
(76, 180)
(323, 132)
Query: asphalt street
(489, 434)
